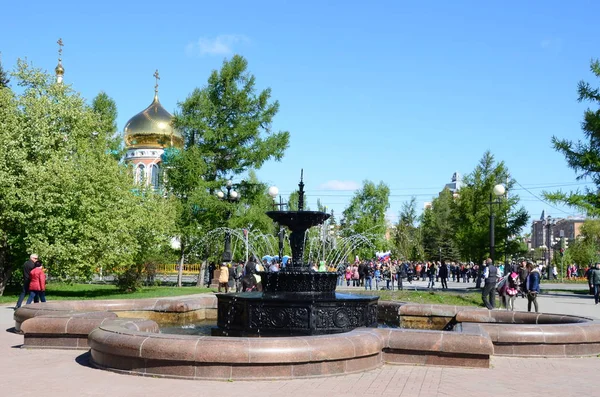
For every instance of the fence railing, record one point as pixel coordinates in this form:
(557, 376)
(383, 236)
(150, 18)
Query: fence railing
(173, 268)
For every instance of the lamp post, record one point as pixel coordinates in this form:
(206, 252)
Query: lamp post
(495, 195)
(544, 248)
(549, 241)
(273, 192)
(231, 197)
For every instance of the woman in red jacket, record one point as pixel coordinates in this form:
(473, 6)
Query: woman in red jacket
(37, 283)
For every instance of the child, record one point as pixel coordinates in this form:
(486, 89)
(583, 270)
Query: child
(224, 278)
(37, 283)
(512, 289)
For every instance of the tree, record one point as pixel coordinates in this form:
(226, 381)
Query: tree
(4, 80)
(408, 244)
(439, 229)
(583, 157)
(230, 123)
(472, 206)
(365, 215)
(106, 110)
(584, 249)
(228, 130)
(62, 194)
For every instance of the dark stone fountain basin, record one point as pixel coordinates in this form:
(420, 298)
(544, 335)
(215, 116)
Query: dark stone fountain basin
(298, 220)
(285, 313)
(295, 301)
(299, 282)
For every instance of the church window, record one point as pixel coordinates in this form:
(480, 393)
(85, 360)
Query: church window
(155, 176)
(140, 173)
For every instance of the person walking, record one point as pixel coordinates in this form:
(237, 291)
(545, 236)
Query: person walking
(37, 283)
(28, 266)
(533, 286)
(400, 274)
(362, 268)
(444, 275)
(431, 272)
(369, 277)
(238, 273)
(596, 282)
(348, 275)
(355, 276)
(490, 276)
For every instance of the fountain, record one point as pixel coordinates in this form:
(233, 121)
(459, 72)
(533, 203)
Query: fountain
(295, 300)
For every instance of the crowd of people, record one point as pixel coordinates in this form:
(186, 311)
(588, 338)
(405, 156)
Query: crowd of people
(519, 279)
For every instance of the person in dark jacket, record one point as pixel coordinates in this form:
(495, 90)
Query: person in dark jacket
(27, 268)
(444, 275)
(595, 278)
(490, 276)
(533, 286)
(362, 270)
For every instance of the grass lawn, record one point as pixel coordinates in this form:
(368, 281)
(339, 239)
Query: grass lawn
(60, 291)
(430, 297)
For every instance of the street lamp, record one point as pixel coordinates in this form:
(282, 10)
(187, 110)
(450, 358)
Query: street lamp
(273, 192)
(544, 249)
(549, 240)
(231, 196)
(495, 195)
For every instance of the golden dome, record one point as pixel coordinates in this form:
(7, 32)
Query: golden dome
(59, 69)
(152, 128)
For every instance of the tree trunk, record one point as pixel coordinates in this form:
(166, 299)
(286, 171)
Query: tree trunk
(201, 273)
(5, 265)
(180, 270)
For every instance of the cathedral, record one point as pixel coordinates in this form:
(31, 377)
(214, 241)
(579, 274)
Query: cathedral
(147, 135)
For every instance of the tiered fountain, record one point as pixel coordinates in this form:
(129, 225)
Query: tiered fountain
(295, 300)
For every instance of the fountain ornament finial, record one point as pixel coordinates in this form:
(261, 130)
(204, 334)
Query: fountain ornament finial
(301, 191)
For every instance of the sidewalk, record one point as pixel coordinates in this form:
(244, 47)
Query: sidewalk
(61, 373)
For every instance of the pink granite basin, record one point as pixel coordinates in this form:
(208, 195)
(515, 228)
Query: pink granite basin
(123, 336)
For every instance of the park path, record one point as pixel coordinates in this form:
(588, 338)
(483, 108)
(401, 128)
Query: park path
(62, 373)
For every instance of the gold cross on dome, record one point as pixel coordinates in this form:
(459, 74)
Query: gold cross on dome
(157, 77)
(60, 46)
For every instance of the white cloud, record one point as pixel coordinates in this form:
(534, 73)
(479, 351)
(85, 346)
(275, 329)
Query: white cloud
(553, 44)
(339, 185)
(219, 45)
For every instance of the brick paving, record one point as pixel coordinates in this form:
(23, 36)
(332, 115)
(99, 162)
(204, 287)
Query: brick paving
(50, 373)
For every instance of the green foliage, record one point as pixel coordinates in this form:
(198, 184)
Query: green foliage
(457, 226)
(473, 212)
(439, 225)
(106, 110)
(583, 157)
(62, 194)
(407, 239)
(227, 125)
(584, 249)
(365, 214)
(230, 123)
(4, 80)
(73, 291)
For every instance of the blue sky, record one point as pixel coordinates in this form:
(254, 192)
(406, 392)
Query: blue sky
(401, 92)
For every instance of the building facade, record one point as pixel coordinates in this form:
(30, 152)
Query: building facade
(569, 228)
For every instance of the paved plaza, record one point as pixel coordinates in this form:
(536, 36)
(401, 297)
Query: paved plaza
(66, 373)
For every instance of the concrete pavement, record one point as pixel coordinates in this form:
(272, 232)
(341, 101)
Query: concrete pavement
(66, 373)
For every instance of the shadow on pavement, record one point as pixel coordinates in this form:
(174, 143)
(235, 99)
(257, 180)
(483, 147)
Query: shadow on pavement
(84, 360)
(13, 330)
